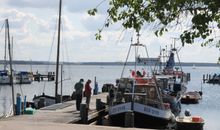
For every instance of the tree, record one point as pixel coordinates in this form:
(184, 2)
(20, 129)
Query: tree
(203, 14)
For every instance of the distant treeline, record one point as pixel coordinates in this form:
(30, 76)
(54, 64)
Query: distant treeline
(103, 63)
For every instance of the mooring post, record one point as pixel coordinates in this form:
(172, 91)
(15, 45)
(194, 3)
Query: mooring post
(84, 113)
(100, 111)
(98, 104)
(203, 78)
(18, 104)
(129, 119)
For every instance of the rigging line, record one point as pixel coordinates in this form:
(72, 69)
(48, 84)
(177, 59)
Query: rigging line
(126, 59)
(2, 26)
(67, 54)
(64, 49)
(100, 3)
(61, 46)
(120, 36)
(50, 53)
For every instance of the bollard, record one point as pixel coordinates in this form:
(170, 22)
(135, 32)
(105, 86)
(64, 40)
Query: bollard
(25, 102)
(84, 113)
(18, 104)
(129, 119)
(95, 91)
(100, 108)
(98, 104)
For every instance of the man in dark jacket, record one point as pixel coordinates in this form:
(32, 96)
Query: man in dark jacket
(79, 91)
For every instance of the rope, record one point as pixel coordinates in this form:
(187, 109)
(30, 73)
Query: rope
(2, 26)
(50, 52)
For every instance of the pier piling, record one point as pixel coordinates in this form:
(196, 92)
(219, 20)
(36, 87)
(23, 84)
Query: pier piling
(84, 113)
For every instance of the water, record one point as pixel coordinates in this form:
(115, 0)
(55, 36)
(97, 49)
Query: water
(208, 107)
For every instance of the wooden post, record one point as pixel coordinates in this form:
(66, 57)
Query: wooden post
(84, 113)
(129, 119)
(98, 104)
(101, 111)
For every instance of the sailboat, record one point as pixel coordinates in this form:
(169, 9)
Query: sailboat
(138, 96)
(46, 100)
(5, 73)
(194, 66)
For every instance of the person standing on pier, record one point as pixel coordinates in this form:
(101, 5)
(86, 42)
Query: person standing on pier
(79, 91)
(88, 92)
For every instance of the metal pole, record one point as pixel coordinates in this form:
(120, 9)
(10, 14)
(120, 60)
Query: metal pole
(61, 93)
(11, 70)
(58, 53)
(5, 55)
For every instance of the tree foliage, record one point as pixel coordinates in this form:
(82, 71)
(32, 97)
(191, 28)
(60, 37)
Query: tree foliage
(204, 16)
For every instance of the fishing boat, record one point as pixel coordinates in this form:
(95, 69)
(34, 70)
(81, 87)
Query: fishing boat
(172, 81)
(189, 123)
(139, 96)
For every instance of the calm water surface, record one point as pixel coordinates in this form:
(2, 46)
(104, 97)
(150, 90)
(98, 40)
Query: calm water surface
(208, 108)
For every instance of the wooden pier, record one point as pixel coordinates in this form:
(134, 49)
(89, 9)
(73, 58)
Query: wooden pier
(61, 116)
(50, 76)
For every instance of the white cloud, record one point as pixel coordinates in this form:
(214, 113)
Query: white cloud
(33, 23)
(71, 5)
(33, 3)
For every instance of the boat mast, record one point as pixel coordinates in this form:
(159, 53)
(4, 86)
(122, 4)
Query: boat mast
(5, 53)
(136, 51)
(10, 61)
(58, 54)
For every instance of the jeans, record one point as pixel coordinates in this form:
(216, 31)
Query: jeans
(78, 101)
(88, 97)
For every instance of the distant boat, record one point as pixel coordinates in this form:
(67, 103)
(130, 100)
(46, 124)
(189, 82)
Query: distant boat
(24, 77)
(191, 97)
(194, 66)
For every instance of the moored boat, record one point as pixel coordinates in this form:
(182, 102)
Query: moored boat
(191, 97)
(4, 77)
(137, 101)
(24, 77)
(189, 123)
(43, 101)
(143, 99)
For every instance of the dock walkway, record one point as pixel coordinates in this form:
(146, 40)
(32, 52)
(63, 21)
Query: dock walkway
(55, 117)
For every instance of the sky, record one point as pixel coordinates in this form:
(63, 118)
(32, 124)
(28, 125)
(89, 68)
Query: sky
(33, 25)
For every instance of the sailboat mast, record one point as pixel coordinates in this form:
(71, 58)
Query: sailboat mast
(5, 55)
(10, 61)
(58, 53)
